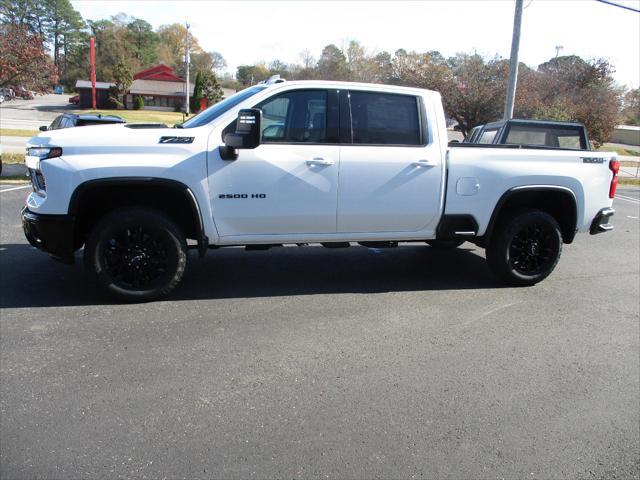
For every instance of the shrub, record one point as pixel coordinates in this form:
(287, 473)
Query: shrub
(138, 103)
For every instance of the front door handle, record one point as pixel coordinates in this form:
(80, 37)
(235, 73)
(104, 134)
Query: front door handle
(423, 163)
(319, 162)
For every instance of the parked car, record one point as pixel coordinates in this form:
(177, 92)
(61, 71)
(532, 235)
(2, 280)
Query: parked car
(532, 134)
(75, 99)
(341, 163)
(69, 120)
(7, 93)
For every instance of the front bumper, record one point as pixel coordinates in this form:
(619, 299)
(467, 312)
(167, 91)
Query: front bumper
(601, 223)
(53, 234)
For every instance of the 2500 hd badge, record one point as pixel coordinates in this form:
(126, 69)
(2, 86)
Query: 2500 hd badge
(242, 195)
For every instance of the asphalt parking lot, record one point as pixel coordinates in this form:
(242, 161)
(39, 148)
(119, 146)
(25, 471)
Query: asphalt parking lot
(308, 362)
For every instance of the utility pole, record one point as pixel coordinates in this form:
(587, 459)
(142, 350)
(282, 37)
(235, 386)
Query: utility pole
(186, 59)
(558, 48)
(92, 60)
(513, 62)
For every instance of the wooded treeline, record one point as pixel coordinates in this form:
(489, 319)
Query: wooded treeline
(47, 41)
(473, 87)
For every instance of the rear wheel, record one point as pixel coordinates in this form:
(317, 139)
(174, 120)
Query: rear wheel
(136, 254)
(445, 244)
(525, 247)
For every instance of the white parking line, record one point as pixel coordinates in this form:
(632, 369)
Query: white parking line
(628, 199)
(15, 188)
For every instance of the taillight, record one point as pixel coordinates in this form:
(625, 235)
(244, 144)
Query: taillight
(614, 166)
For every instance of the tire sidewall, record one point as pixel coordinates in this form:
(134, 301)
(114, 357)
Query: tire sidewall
(499, 255)
(152, 221)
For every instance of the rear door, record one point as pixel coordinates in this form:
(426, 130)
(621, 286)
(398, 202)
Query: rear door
(390, 175)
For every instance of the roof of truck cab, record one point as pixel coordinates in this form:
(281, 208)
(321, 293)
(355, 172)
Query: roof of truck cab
(353, 85)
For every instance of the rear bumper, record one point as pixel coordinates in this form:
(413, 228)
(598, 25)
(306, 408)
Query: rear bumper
(53, 234)
(601, 223)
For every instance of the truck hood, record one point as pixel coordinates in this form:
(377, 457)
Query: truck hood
(105, 137)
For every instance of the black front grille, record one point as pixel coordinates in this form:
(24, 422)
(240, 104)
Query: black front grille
(37, 180)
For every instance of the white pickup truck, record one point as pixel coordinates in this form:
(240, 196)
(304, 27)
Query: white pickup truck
(298, 163)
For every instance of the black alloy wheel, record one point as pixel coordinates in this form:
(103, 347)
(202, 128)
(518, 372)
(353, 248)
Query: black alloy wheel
(136, 254)
(525, 247)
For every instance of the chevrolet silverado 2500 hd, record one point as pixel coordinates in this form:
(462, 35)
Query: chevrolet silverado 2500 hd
(304, 162)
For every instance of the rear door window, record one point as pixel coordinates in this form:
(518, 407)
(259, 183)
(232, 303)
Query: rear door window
(385, 119)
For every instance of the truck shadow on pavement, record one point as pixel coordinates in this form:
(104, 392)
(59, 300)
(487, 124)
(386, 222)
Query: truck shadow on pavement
(30, 279)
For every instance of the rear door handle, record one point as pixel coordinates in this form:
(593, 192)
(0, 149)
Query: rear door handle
(423, 163)
(319, 162)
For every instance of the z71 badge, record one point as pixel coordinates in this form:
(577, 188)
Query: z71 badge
(234, 196)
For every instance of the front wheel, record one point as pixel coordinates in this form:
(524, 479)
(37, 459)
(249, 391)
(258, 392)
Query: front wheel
(136, 254)
(525, 247)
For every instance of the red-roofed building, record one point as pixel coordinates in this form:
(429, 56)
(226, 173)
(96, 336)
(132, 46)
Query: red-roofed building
(159, 72)
(160, 88)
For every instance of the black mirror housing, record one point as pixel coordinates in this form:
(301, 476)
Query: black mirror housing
(247, 134)
(43, 128)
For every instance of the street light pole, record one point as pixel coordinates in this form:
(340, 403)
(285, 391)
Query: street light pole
(513, 62)
(186, 59)
(558, 48)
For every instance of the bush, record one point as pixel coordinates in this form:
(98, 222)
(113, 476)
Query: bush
(138, 103)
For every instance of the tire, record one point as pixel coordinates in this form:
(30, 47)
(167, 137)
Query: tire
(136, 254)
(445, 244)
(525, 247)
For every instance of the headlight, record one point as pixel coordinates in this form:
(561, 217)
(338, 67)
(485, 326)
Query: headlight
(44, 152)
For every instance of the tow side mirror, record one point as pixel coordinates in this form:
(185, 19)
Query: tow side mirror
(43, 128)
(247, 134)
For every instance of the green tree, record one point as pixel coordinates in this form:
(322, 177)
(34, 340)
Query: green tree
(631, 107)
(30, 14)
(210, 87)
(138, 103)
(251, 74)
(197, 93)
(144, 42)
(332, 64)
(123, 78)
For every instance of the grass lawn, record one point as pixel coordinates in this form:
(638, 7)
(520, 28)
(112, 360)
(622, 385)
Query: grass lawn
(629, 181)
(18, 132)
(620, 151)
(12, 157)
(14, 180)
(141, 116)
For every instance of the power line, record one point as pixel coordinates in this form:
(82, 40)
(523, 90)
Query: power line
(606, 2)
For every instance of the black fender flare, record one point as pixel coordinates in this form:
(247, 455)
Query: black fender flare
(81, 189)
(570, 234)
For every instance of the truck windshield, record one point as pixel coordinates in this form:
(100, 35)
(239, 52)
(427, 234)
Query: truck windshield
(214, 111)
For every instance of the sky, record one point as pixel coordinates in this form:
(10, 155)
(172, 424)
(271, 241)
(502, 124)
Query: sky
(245, 32)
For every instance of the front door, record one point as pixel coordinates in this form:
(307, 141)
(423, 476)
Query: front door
(390, 172)
(287, 185)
